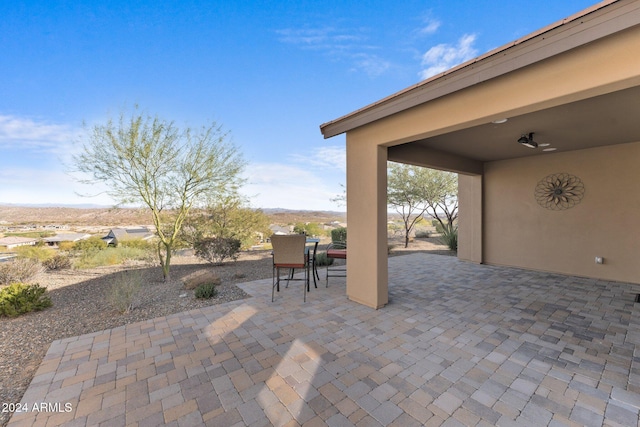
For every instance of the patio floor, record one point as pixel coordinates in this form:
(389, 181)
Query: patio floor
(458, 344)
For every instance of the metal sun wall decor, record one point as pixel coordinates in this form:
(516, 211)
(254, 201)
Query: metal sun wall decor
(559, 191)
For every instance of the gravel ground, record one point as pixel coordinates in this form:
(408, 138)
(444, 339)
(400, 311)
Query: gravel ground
(81, 306)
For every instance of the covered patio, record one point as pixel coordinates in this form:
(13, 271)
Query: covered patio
(572, 88)
(458, 344)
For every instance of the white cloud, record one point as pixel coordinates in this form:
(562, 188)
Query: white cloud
(298, 185)
(327, 38)
(372, 65)
(307, 181)
(36, 186)
(28, 134)
(323, 158)
(32, 157)
(430, 27)
(445, 56)
(348, 45)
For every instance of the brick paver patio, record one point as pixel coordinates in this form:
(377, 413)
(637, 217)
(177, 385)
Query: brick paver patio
(459, 344)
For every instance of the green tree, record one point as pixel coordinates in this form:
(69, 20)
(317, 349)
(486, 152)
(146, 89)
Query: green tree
(413, 191)
(308, 228)
(228, 216)
(150, 161)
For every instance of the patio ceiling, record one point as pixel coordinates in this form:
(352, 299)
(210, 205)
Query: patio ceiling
(603, 120)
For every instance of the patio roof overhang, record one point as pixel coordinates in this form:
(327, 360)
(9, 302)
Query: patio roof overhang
(574, 84)
(602, 113)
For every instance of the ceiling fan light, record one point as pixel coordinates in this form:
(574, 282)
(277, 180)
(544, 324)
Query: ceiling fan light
(528, 141)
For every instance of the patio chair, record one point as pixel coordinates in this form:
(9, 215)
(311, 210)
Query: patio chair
(289, 253)
(310, 252)
(336, 250)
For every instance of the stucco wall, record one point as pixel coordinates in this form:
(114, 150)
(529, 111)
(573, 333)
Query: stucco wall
(519, 232)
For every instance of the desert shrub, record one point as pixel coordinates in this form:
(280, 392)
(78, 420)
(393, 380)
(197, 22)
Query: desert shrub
(217, 249)
(113, 256)
(394, 229)
(193, 280)
(98, 259)
(449, 237)
(150, 257)
(137, 244)
(132, 253)
(136, 250)
(58, 262)
(35, 252)
(322, 260)
(92, 244)
(125, 290)
(422, 234)
(339, 234)
(19, 298)
(20, 270)
(66, 246)
(206, 290)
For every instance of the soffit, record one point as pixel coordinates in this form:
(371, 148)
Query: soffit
(599, 121)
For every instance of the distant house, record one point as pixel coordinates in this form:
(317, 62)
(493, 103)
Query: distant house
(279, 230)
(65, 237)
(117, 235)
(14, 241)
(56, 227)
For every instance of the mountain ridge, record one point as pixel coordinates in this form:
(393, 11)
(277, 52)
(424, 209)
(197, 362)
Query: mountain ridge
(113, 216)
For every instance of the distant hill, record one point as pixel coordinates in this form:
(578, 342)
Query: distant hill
(56, 205)
(288, 216)
(73, 215)
(104, 216)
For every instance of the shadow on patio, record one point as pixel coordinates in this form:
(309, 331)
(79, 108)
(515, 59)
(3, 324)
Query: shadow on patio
(458, 343)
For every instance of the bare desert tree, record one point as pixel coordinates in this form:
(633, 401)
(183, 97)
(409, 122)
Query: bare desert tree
(152, 162)
(340, 199)
(414, 191)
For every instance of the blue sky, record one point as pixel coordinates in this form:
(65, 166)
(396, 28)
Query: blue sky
(270, 72)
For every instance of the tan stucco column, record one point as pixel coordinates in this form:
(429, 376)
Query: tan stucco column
(367, 274)
(470, 217)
